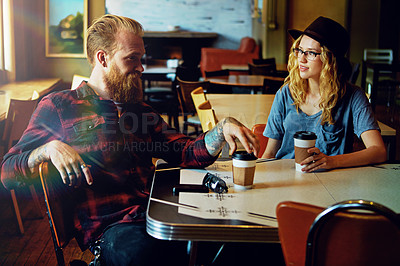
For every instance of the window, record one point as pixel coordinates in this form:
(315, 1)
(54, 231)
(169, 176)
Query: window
(7, 67)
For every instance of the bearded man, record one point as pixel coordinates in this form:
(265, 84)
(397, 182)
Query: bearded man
(105, 125)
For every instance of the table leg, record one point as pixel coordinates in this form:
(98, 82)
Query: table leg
(192, 249)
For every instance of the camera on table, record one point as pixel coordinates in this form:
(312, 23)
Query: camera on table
(215, 183)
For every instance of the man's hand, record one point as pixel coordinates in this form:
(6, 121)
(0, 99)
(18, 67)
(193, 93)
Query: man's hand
(67, 161)
(228, 130)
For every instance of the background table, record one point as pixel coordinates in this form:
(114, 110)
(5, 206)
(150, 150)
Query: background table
(157, 73)
(23, 90)
(245, 67)
(253, 81)
(249, 109)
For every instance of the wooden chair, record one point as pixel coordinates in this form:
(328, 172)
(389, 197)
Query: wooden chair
(204, 110)
(218, 88)
(77, 80)
(271, 61)
(190, 117)
(187, 73)
(207, 116)
(265, 70)
(18, 116)
(271, 86)
(312, 235)
(264, 61)
(258, 130)
(159, 90)
(198, 97)
(217, 73)
(60, 202)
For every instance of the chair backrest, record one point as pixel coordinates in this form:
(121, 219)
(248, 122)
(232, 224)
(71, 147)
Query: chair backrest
(268, 69)
(59, 200)
(207, 116)
(77, 80)
(264, 61)
(311, 235)
(188, 73)
(384, 56)
(218, 88)
(247, 45)
(198, 97)
(35, 95)
(258, 130)
(18, 116)
(271, 86)
(217, 73)
(185, 89)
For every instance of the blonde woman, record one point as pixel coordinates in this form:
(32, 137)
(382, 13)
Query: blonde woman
(317, 97)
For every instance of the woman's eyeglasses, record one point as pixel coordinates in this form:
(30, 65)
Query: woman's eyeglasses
(310, 55)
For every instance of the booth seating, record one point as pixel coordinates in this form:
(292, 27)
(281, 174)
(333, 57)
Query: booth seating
(212, 59)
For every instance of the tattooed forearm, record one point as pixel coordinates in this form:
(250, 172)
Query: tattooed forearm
(215, 139)
(36, 157)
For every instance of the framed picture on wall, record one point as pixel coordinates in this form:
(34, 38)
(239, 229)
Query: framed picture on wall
(66, 24)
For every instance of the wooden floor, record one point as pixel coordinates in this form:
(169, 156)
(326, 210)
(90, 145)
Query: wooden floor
(35, 247)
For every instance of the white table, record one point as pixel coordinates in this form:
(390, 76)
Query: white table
(252, 216)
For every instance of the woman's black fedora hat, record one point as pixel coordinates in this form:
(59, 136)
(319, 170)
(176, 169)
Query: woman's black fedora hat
(327, 32)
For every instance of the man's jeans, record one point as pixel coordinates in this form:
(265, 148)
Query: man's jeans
(129, 244)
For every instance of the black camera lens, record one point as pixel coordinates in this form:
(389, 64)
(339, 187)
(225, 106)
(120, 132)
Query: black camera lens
(215, 183)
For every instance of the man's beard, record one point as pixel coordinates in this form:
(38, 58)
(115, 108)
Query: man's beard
(124, 88)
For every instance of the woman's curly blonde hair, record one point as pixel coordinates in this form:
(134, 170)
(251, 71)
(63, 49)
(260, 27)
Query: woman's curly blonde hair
(332, 84)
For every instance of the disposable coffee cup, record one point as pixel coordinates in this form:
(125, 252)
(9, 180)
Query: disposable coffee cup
(243, 168)
(303, 140)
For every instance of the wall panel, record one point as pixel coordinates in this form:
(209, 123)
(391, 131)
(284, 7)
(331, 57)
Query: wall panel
(230, 19)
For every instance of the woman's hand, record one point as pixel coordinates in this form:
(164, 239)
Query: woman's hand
(317, 161)
(374, 152)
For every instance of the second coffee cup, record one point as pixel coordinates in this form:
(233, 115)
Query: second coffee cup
(243, 168)
(303, 140)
